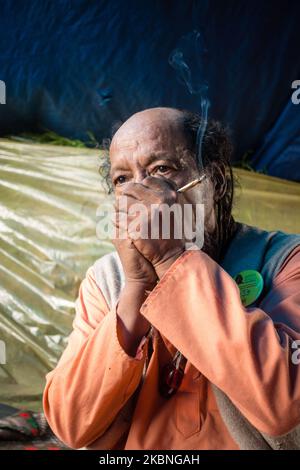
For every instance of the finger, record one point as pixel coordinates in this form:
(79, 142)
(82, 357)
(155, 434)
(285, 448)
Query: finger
(120, 234)
(123, 203)
(154, 194)
(159, 183)
(142, 193)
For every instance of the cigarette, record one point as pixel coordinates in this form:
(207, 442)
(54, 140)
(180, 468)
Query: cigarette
(191, 184)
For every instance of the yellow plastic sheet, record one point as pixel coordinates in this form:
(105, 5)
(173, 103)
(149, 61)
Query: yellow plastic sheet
(269, 203)
(48, 201)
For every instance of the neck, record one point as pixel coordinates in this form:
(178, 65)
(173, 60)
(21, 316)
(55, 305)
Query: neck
(216, 242)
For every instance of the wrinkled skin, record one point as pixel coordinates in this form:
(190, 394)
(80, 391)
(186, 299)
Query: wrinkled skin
(150, 159)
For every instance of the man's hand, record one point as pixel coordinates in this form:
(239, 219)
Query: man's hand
(140, 279)
(150, 195)
(144, 259)
(137, 269)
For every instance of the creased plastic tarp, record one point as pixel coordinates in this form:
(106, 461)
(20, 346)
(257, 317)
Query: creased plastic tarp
(79, 66)
(48, 201)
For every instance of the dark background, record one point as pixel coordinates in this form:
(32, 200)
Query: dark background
(76, 67)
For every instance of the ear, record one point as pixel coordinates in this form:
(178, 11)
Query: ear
(219, 180)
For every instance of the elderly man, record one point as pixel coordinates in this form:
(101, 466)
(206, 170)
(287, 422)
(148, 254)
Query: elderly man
(177, 348)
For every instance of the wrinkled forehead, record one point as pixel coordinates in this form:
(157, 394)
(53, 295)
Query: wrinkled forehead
(153, 133)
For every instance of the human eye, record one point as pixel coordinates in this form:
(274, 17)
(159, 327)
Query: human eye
(161, 169)
(121, 179)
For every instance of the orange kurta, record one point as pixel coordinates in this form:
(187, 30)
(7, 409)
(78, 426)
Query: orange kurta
(196, 308)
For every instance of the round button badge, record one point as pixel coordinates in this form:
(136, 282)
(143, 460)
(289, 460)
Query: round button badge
(250, 283)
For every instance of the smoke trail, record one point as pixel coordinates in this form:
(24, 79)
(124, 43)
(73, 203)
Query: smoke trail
(2, 92)
(188, 60)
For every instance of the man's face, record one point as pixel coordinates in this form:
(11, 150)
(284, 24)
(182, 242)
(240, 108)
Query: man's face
(152, 143)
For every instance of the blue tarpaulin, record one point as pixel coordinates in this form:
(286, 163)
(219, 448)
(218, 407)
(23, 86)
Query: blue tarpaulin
(77, 66)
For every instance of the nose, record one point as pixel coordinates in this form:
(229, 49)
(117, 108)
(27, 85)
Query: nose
(140, 174)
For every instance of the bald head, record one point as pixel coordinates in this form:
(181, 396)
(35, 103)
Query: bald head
(153, 123)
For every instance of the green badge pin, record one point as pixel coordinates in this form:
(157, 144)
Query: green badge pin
(250, 283)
